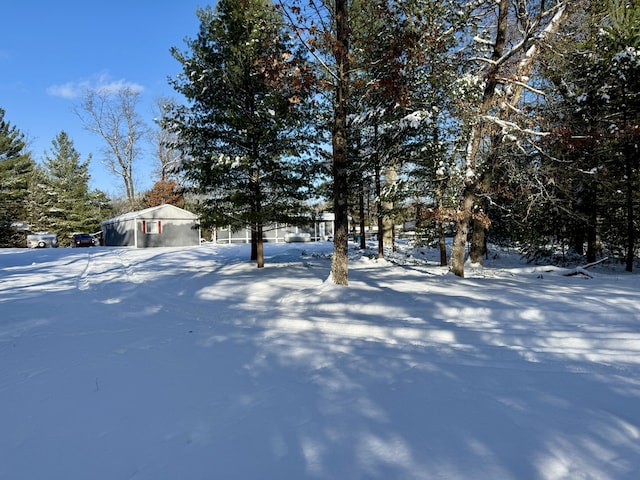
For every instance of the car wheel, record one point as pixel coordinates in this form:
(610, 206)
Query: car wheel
(41, 244)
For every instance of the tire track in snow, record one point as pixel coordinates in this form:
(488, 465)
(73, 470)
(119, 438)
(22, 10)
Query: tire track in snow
(82, 283)
(106, 266)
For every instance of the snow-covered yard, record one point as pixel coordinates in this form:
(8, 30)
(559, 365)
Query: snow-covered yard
(190, 363)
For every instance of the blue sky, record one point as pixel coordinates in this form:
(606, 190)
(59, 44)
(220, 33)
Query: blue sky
(51, 50)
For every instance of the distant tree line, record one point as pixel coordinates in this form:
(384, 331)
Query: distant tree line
(54, 196)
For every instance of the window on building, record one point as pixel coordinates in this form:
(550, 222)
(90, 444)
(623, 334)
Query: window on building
(151, 226)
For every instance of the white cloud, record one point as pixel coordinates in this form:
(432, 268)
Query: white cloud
(102, 83)
(69, 90)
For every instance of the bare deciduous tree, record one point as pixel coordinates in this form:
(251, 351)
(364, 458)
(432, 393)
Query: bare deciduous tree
(514, 51)
(112, 116)
(164, 140)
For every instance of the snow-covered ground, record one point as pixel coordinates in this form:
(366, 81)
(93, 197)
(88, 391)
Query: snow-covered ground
(190, 363)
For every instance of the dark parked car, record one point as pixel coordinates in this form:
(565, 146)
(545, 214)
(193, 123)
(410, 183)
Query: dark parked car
(82, 240)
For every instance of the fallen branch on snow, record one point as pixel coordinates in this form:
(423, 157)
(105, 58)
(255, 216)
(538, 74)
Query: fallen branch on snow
(577, 271)
(583, 270)
(572, 271)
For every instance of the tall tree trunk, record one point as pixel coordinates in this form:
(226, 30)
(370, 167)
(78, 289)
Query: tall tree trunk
(592, 238)
(479, 229)
(362, 225)
(254, 243)
(478, 248)
(260, 246)
(380, 222)
(130, 189)
(442, 241)
(442, 244)
(462, 230)
(587, 228)
(377, 174)
(257, 246)
(363, 233)
(477, 132)
(340, 260)
(388, 220)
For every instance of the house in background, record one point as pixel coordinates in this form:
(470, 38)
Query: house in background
(317, 229)
(161, 226)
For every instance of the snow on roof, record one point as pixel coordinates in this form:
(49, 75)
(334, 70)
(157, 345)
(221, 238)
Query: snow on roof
(161, 211)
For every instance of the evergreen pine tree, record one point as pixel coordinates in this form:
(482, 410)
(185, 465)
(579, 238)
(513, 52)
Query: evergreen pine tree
(41, 202)
(16, 166)
(71, 207)
(244, 133)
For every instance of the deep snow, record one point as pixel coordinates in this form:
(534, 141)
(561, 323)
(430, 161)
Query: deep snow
(190, 363)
